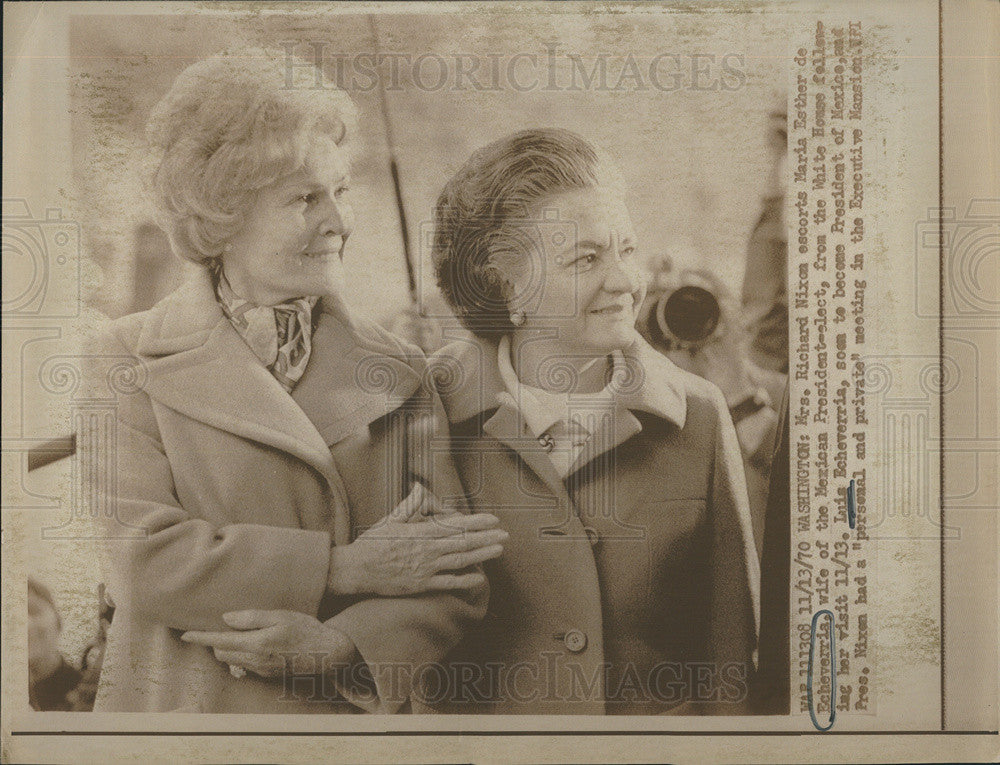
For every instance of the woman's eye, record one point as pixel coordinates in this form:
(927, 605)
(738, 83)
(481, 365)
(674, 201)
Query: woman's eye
(585, 260)
(307, 198)
(627, 252)
(341, 191)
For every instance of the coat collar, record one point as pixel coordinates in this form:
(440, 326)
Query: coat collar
(185, 318)
(196, 363)
(653, 383)
(181, 321)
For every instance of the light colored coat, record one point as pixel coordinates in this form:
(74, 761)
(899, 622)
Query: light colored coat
(629, 588)
(233, 492)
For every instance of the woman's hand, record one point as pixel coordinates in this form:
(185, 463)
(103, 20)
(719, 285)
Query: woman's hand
(269, 643)
(417, 548)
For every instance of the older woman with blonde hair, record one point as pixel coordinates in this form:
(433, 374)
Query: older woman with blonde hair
(629, 582)
(263, 556)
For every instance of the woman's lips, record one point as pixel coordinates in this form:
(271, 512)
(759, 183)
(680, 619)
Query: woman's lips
(325, 253)
(610, 310)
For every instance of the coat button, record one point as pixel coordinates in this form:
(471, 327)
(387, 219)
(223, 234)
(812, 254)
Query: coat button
(575, 641)
(592, 536)
(547, 441)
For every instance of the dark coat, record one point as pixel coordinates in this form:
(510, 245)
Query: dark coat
(632, 586)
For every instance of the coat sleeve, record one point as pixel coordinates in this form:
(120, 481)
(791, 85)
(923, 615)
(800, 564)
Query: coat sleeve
(734, 572)
(397, 637)
(168, 566)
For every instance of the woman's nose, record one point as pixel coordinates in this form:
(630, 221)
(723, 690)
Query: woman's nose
(338, 218)
(623, 276)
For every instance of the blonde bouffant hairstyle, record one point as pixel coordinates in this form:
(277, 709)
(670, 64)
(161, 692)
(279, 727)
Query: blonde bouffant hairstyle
(230, 126)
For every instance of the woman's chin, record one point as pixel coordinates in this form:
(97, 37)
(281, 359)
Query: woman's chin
(327, 282)
(610, 339)
(607, 344)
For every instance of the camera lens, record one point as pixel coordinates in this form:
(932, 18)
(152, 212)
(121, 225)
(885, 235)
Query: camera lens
(691, 314)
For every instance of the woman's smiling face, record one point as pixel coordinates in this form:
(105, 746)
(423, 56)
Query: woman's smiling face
(591, 286)
(292, 242)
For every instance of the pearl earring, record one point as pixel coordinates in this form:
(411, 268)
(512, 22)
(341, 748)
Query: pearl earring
(517, 318)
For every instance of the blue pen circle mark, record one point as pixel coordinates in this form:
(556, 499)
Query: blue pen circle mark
(833, 672)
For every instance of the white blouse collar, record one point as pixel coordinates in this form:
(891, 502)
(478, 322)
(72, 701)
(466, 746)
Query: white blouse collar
(541, 409)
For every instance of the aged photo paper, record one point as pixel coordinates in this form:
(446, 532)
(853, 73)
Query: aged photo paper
(501, 382)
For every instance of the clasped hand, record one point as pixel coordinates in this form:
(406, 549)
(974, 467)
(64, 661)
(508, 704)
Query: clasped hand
(420, 546)
(270, 643)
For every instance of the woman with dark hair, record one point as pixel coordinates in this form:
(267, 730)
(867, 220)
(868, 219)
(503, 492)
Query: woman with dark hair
(629, 584)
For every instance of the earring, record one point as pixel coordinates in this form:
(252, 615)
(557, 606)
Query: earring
(517, 318)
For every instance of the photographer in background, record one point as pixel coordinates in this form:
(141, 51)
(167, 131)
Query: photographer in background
(691, 318)
(765, 291)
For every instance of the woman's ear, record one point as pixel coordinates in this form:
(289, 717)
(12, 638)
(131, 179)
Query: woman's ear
(516, 298)
(512, 280)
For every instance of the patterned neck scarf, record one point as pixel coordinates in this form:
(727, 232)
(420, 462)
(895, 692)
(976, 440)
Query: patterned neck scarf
(279, 335)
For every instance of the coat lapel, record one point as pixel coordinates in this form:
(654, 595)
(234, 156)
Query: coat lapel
(474, 362)
(196, 363)
(612, 431)
(651, 385)
(350, 381)
(509, 428)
